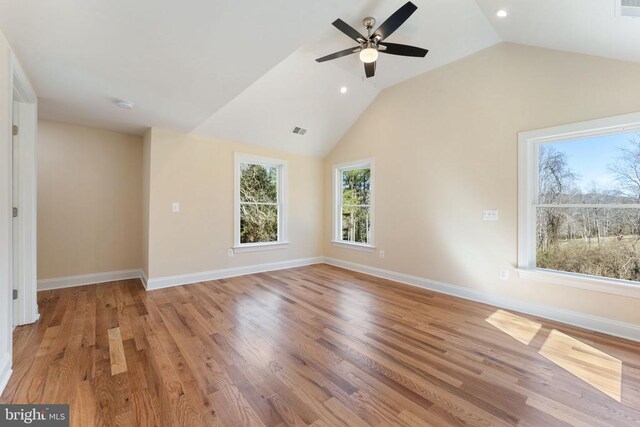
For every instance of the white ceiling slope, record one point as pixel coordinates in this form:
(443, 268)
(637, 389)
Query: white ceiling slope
(584, 26)
(302, 92)
(296, 92)
(178, 61)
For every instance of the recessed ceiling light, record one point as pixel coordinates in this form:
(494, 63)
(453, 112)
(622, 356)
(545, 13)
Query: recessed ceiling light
(125, 105)
(343, 89)
(501, 13)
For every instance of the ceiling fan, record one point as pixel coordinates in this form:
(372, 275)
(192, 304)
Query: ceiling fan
(373, 43)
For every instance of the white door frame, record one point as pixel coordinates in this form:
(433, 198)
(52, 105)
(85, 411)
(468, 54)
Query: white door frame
(26, 102)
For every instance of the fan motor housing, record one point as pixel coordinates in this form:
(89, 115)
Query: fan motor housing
(369, 22)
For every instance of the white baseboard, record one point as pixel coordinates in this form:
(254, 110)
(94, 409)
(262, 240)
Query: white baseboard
(582, 320)
(599, 324)
(87, 279)
(5, 370)
(185, 279)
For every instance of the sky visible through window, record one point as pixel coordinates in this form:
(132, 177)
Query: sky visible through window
(590, 158)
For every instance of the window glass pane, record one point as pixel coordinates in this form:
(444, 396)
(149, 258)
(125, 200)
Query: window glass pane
(604, 169)
(356, 187)
(258, 223)
(597, 241)
(356, 224)
(258, 183)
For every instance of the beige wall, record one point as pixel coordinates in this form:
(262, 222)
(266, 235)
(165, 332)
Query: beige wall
(198, 173)
(89, 200)
(445, 148)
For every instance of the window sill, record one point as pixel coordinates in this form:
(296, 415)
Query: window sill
(356, 246)
(255, 247)
(610, 286)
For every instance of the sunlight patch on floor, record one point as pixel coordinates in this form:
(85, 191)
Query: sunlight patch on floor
(591, 365)
(520, 328)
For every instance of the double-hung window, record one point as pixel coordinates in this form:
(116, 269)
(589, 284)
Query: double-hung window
(260, 203)
(353, 205)
(579, 203)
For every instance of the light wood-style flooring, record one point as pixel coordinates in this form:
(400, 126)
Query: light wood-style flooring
(315, 346)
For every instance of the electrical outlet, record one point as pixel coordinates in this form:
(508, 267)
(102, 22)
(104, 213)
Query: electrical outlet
(490, 215)
(381, 254)
(230, 252)
(175, 207)
(504, 274)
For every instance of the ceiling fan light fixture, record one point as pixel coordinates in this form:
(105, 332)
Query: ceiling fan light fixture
(368, 55)
(367, 47)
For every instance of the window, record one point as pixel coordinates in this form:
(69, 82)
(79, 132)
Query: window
(353, 222)
(260, 208)
(580, 200)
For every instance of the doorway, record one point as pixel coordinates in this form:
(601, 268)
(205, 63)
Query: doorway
(24, 308)
(15, 203)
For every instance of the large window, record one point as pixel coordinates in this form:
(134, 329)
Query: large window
(260, 209)
(580, 199)
(353, 222)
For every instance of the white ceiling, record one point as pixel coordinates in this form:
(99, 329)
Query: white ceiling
(302, 92)
(178, 61)
(584, 26)
(244, 70)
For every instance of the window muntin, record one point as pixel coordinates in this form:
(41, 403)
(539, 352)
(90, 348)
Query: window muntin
(585, 204)
(260, 195)
(354, 206)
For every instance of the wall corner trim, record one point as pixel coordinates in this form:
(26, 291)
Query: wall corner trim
(185, 279)
(594, 323)
(144, 279)
(5, 370)
(88, 279)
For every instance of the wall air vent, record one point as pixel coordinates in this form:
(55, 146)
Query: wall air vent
(299, 131)
(629, 8)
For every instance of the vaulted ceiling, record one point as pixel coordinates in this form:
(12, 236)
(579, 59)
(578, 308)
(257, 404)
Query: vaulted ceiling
(245, 71)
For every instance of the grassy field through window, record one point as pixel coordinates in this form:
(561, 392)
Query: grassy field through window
(587, 219)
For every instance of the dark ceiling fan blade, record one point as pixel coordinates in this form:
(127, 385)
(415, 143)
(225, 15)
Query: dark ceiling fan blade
(403, 50)
(339, 54)
(395, 20)
(349, 30)
(370, 69)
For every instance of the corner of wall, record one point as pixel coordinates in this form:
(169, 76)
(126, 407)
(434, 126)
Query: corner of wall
(146, 185)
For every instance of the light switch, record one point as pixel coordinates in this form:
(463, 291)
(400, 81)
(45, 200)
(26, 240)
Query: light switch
(175, 207)
(490, 215)
(504, 274)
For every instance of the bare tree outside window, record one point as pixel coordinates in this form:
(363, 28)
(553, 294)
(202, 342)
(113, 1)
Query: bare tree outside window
(590, 227)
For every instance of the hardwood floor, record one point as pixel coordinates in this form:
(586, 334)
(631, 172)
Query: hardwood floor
(315, 346)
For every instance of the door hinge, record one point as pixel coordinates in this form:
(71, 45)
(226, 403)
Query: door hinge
(15, 130)
(15, 294)
(15, 212)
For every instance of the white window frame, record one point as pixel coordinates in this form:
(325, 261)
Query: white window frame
(528, 144)
(337, 205)
(281, 165)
